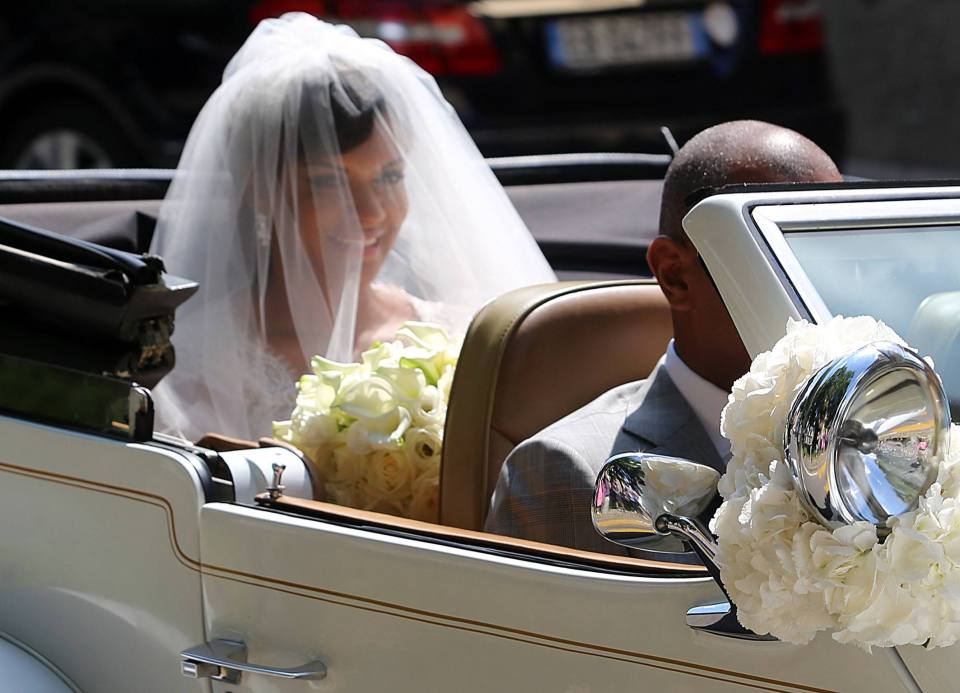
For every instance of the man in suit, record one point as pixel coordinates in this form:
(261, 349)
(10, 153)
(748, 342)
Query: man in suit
(546, 484)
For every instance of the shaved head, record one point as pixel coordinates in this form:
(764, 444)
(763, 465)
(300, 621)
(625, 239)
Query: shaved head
(741, 151)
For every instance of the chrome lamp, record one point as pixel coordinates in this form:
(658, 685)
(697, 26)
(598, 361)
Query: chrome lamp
(863, 440)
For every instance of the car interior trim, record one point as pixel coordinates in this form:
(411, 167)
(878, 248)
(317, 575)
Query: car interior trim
(470, 539)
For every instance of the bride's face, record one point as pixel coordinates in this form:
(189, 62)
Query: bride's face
(362, 187)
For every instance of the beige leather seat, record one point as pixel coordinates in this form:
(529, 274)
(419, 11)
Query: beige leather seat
(529, 358)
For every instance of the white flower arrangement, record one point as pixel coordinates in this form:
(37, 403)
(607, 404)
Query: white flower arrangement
(792, 577)
(374, 429)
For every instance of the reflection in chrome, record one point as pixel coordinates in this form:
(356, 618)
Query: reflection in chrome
(653, 502)
(865, 435)
(720, 618)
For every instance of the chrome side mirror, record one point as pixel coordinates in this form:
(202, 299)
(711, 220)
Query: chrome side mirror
(865, 435)
(653, 503)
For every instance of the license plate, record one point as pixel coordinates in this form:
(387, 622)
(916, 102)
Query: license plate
(589, 43)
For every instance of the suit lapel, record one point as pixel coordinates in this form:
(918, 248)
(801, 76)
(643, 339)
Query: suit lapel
(661, 422)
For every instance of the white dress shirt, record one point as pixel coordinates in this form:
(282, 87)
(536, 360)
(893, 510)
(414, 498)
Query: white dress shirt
(706, 399)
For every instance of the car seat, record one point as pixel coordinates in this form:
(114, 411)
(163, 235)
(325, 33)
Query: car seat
(529, 358)
(935, 332)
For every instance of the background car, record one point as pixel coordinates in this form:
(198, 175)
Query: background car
(119, 84)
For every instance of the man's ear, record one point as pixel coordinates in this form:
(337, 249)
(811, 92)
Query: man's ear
(668, 260)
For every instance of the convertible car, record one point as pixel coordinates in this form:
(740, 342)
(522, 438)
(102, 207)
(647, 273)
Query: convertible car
(134, 561)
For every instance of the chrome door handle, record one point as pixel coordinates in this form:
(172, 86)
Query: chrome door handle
(226, 660)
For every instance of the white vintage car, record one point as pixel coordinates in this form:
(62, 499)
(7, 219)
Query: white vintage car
(130, 561)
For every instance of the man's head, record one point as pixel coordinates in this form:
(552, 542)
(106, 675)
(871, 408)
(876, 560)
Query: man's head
(743, 151)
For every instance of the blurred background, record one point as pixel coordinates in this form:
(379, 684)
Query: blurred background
(117, 83)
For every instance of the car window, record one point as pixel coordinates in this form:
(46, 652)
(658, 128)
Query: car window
(907, 277)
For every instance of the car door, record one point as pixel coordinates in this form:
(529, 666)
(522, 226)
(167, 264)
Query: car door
(388, 609)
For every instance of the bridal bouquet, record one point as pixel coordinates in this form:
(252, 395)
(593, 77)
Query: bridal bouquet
(792, 577)
(374, 429)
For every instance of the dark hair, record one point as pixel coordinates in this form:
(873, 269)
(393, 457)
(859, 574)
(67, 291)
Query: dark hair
(354, 101)
(740, 151)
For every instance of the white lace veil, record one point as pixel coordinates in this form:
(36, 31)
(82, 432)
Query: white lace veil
(326, 193)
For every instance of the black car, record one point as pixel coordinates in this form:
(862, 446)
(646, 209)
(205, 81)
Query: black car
(119, 83)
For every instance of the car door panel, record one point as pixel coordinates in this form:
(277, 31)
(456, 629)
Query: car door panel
(392, 613)
(102, 574)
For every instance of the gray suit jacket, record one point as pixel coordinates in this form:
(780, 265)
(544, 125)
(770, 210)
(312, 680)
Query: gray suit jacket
(546, 484)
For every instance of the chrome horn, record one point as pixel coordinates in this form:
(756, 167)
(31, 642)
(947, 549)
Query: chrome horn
(653, 503)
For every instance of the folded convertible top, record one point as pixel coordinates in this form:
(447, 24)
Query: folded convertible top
(79, 305)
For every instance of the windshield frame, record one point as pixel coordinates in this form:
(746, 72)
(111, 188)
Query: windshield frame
(774, 222)
(739, 235)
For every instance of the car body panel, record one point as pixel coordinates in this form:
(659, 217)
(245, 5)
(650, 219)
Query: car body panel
(102, 573)
(391, 613)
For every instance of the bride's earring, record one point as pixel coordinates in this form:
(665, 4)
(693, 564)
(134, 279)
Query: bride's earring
(262, 226)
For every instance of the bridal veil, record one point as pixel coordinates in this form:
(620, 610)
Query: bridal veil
(326, 188)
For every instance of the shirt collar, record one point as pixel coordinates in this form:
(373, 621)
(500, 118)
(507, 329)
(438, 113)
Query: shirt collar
(705, 399)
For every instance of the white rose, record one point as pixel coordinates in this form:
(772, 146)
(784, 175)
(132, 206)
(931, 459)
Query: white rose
(425, 503)
(312, 428)
(387, 480)
(347, 467)
(431, 409)
(344, 494)
(423, 447)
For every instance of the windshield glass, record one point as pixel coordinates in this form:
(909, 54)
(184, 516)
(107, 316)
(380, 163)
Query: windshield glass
(908, 277)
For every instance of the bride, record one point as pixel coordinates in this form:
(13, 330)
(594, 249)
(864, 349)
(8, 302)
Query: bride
(326, 194)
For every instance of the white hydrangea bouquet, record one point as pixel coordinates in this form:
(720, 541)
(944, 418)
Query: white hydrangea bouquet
(374, 429)
(791, 576)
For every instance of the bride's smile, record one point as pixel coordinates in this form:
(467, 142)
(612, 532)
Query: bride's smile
(360, 200)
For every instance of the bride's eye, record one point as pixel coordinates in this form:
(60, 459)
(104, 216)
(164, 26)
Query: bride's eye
(391, 176)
